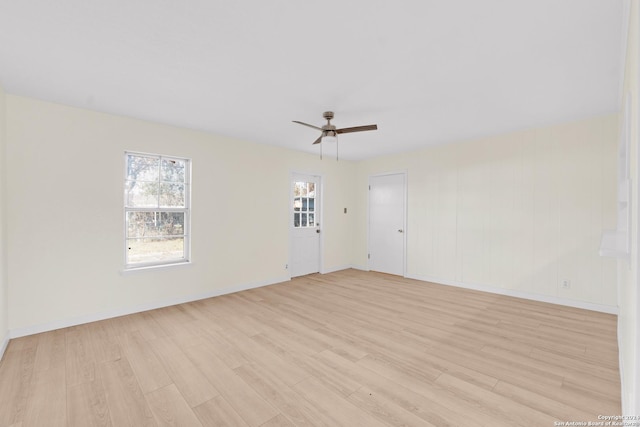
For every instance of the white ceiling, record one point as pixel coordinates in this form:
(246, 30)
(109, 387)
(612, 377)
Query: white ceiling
(427, 72)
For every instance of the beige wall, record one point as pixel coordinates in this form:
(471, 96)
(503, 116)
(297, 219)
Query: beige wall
(518, 212)
(65, 214)
(4, 305)
(628, 329)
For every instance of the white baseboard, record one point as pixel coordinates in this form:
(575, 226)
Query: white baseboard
(3, 344)
(520, 294)
(345, 267)
(65, 323)
(334, 269)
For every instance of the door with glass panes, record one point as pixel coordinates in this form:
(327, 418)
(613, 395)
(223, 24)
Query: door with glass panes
(305, 224)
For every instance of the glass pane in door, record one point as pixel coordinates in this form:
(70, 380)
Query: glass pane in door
(304, 203)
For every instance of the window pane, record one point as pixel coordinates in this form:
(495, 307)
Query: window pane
(172, 170)
(141, 194)
(297, 204)
(150, 249)
(296, 220)
(311, 220)
(312, 189)
(140, 168)
(312, 204)
(154, 224)
(304, 220)
(171, 195)
(300, 189)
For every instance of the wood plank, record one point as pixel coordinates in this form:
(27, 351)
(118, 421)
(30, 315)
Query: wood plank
(104, 340)
(242, 397)
(80, 358)
(140, 322)
(127, 406)
(278, 421)
(385, 409)
(268, 360)
(401, 371)
(51, 350)
(187, 377)
(170, 409)
(582, 365)
(497, 404)
(177, 323)
(16, 373)
(280, 395)
(149, 370)
(87, 405)
(338, 408)
(217, 412)
(580, 378)
(547, 405)
(47, 402)
(23, 343)
(605, 403)
(430, 402)
(231, 355)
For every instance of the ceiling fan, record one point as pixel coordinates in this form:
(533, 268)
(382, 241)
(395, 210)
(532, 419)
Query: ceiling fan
(330, 133)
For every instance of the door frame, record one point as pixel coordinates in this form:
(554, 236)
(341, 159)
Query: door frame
(405, 173)
(319, 217)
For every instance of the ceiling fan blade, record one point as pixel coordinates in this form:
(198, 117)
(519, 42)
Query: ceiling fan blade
(317, 141)
(357, 129)
(306, 124)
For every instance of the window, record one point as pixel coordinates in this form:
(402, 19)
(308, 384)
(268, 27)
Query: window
(304, 201)
(156, 209)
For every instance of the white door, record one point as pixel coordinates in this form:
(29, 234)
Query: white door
(387, 223)
(304, 222)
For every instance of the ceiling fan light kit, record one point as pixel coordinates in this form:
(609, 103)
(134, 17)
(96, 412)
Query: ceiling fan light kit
(330, 133)
(330, 139)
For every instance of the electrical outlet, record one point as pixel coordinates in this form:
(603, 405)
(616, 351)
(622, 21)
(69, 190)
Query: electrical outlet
(566, 284)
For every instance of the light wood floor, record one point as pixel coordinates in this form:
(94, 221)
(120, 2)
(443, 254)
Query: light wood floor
(343, 349)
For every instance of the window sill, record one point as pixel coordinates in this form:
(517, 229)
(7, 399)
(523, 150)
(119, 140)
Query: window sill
(133, 270)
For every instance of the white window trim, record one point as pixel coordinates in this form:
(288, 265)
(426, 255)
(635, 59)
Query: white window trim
(141, 266)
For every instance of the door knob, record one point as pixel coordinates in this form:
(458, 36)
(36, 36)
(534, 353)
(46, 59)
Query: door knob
(318, 230)
(400, 231)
